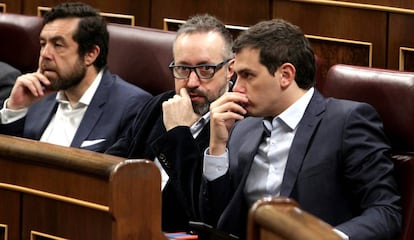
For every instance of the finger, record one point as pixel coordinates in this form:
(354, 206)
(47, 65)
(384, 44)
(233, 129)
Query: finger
(229, 107)
(44, 81)
(184, 93)
(226, 116)
(230, 97)
(33, 83)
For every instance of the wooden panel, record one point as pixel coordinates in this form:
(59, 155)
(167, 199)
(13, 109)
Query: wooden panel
(3, 8)
(384, 4)
(9, 217)
(232, 12)
(331, 51)
(174, 24)
(406, 62)
(140, 10)
(60, 219)
(70, 193)
(109, 17)
(13, 6)
(347, 24)
(400, 35)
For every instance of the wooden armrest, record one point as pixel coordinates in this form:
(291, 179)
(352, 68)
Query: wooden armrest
(282, 219)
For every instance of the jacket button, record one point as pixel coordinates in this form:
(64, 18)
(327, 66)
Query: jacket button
(161, 157)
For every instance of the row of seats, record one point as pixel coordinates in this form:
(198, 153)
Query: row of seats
(141, 56)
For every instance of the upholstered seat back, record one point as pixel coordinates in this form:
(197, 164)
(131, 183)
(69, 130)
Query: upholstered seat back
(390, 92)
(19, 41)
(141, 56)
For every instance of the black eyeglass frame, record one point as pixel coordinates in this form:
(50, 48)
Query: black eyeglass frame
(215, 68)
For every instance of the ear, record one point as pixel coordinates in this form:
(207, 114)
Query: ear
(91, 55)
(230, 68)
(288, 74)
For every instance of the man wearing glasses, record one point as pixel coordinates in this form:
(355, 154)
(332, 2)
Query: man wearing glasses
(173, 128)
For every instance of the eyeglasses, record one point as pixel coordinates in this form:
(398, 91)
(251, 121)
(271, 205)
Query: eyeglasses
(203, 71)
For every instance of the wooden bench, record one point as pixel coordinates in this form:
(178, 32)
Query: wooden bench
(53, 192)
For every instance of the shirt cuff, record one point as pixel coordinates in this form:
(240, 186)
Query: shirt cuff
(215, 166)
(9, 115)
(341, 234)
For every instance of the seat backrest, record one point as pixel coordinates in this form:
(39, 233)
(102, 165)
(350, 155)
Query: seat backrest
(280, 218)
(141, 56)
(390, 92)
(19, 40)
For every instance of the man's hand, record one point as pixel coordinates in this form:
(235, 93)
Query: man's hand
(27, 89)
(224, 112)
(178, 111)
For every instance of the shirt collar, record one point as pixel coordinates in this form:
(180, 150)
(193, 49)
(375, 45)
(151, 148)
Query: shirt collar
(200, 123)
(293, 114)
(87, 96)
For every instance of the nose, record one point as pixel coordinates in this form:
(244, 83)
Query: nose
(45, 51)
(193, 80)
(237, 86)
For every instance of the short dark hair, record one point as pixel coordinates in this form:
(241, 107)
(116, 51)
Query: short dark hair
(208, 23)
(92, 29)
(279, 42)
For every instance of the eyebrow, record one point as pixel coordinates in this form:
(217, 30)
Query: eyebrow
(245, 70)
(54, 38)
(198, 63)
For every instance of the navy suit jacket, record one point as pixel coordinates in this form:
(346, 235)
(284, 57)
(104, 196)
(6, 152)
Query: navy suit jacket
(179, 154)
(109, 115)
(337, 169)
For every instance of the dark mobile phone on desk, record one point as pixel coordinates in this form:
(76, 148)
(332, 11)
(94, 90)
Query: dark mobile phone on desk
(207, 232)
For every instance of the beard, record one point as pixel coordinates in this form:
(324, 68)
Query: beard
(202, 108)
(64, 82)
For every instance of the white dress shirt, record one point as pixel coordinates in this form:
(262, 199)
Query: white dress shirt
(268, 167)
(64, 124)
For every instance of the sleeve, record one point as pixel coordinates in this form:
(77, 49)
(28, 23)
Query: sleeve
(215, 166)
(368, 169)
(9, 115)
(181, 157)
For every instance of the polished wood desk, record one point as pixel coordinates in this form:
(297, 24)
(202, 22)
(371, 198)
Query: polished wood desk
(54, 192)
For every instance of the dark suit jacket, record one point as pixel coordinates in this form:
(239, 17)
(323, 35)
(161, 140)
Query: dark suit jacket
(8, 75)
(109, 115)
(337, 169)
(179, 154)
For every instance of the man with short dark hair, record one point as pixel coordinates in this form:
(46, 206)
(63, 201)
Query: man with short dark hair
(72, 99)
(329, 155)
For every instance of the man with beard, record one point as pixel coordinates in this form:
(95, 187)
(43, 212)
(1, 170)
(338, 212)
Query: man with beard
(72, 99)
(173, 127)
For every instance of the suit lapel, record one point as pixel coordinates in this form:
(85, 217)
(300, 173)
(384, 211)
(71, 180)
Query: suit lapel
(94, 111)
(301, 142)
(203, 138)
(39, 117)
(243, 148)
